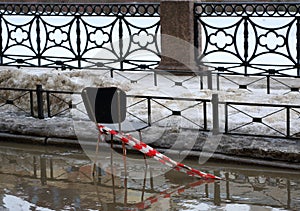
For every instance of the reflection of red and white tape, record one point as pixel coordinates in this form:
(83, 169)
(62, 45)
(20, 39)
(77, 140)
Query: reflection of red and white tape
(163, 195)
(166, 194)
(151, 152)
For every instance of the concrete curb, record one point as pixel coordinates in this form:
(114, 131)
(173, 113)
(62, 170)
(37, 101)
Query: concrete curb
(22, 138)
(189, 154)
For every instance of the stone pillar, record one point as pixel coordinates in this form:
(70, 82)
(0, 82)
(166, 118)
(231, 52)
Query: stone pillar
(177, 36)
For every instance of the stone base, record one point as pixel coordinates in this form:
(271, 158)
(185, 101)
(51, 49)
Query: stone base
(176, 69)
(181, 71)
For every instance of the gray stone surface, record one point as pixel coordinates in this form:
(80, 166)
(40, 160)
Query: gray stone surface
(177, 36)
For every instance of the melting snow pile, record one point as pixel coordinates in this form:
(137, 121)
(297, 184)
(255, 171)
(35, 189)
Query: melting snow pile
(50, 80)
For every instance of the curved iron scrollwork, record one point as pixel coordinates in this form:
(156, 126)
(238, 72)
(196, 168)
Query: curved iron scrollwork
(255, 39)
(78, 35)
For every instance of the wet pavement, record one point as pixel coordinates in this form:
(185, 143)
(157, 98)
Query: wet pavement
(35, 177)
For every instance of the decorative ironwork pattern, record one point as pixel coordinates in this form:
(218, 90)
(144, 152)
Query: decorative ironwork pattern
(78, 35)
(70, 9)
(249, 39)
(248, 9)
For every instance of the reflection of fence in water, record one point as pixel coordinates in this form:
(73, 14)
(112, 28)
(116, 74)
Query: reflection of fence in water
(241, 185)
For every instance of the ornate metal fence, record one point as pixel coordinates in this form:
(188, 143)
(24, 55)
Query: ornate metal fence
(78, 35)
(249, 39)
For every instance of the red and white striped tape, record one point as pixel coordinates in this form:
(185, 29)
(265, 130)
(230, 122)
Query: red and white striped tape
(151, 152)
(163, 195)
(168, 193)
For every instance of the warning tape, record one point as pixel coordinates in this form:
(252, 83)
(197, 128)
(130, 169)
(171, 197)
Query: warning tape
(153, 153)
(163, 195)
(168, 193)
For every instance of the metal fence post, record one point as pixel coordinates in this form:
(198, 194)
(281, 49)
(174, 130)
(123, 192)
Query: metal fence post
(288, 126)
(215, 113)
(40, 103)
(149, 110)
(205, 115)
(226, 117)
(268, 84)
(209, 79)
(31, 103)
(43, 164)
(298, 45)
(218, 81)
(48, 104)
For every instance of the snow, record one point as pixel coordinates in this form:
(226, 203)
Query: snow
(196, 205)
(77, 80)
(11, 202)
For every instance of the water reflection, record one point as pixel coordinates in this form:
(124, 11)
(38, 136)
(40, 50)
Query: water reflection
(51, 178)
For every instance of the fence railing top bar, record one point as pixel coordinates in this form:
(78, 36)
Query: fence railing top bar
(281, 9)
(246, 3)
(169, 98)
(81, 4)
(61, 92)
(83, 9)
(260, 104)
(264, 74)
(17, 89)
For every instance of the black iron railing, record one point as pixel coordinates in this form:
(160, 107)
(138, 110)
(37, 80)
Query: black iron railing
(262, 119)
(239, 118)
(256, 39)
(160, 110)
(267, 84)
(73, 36)
(36, 102)
(15, 97)
(250, 39)
(82, 9)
